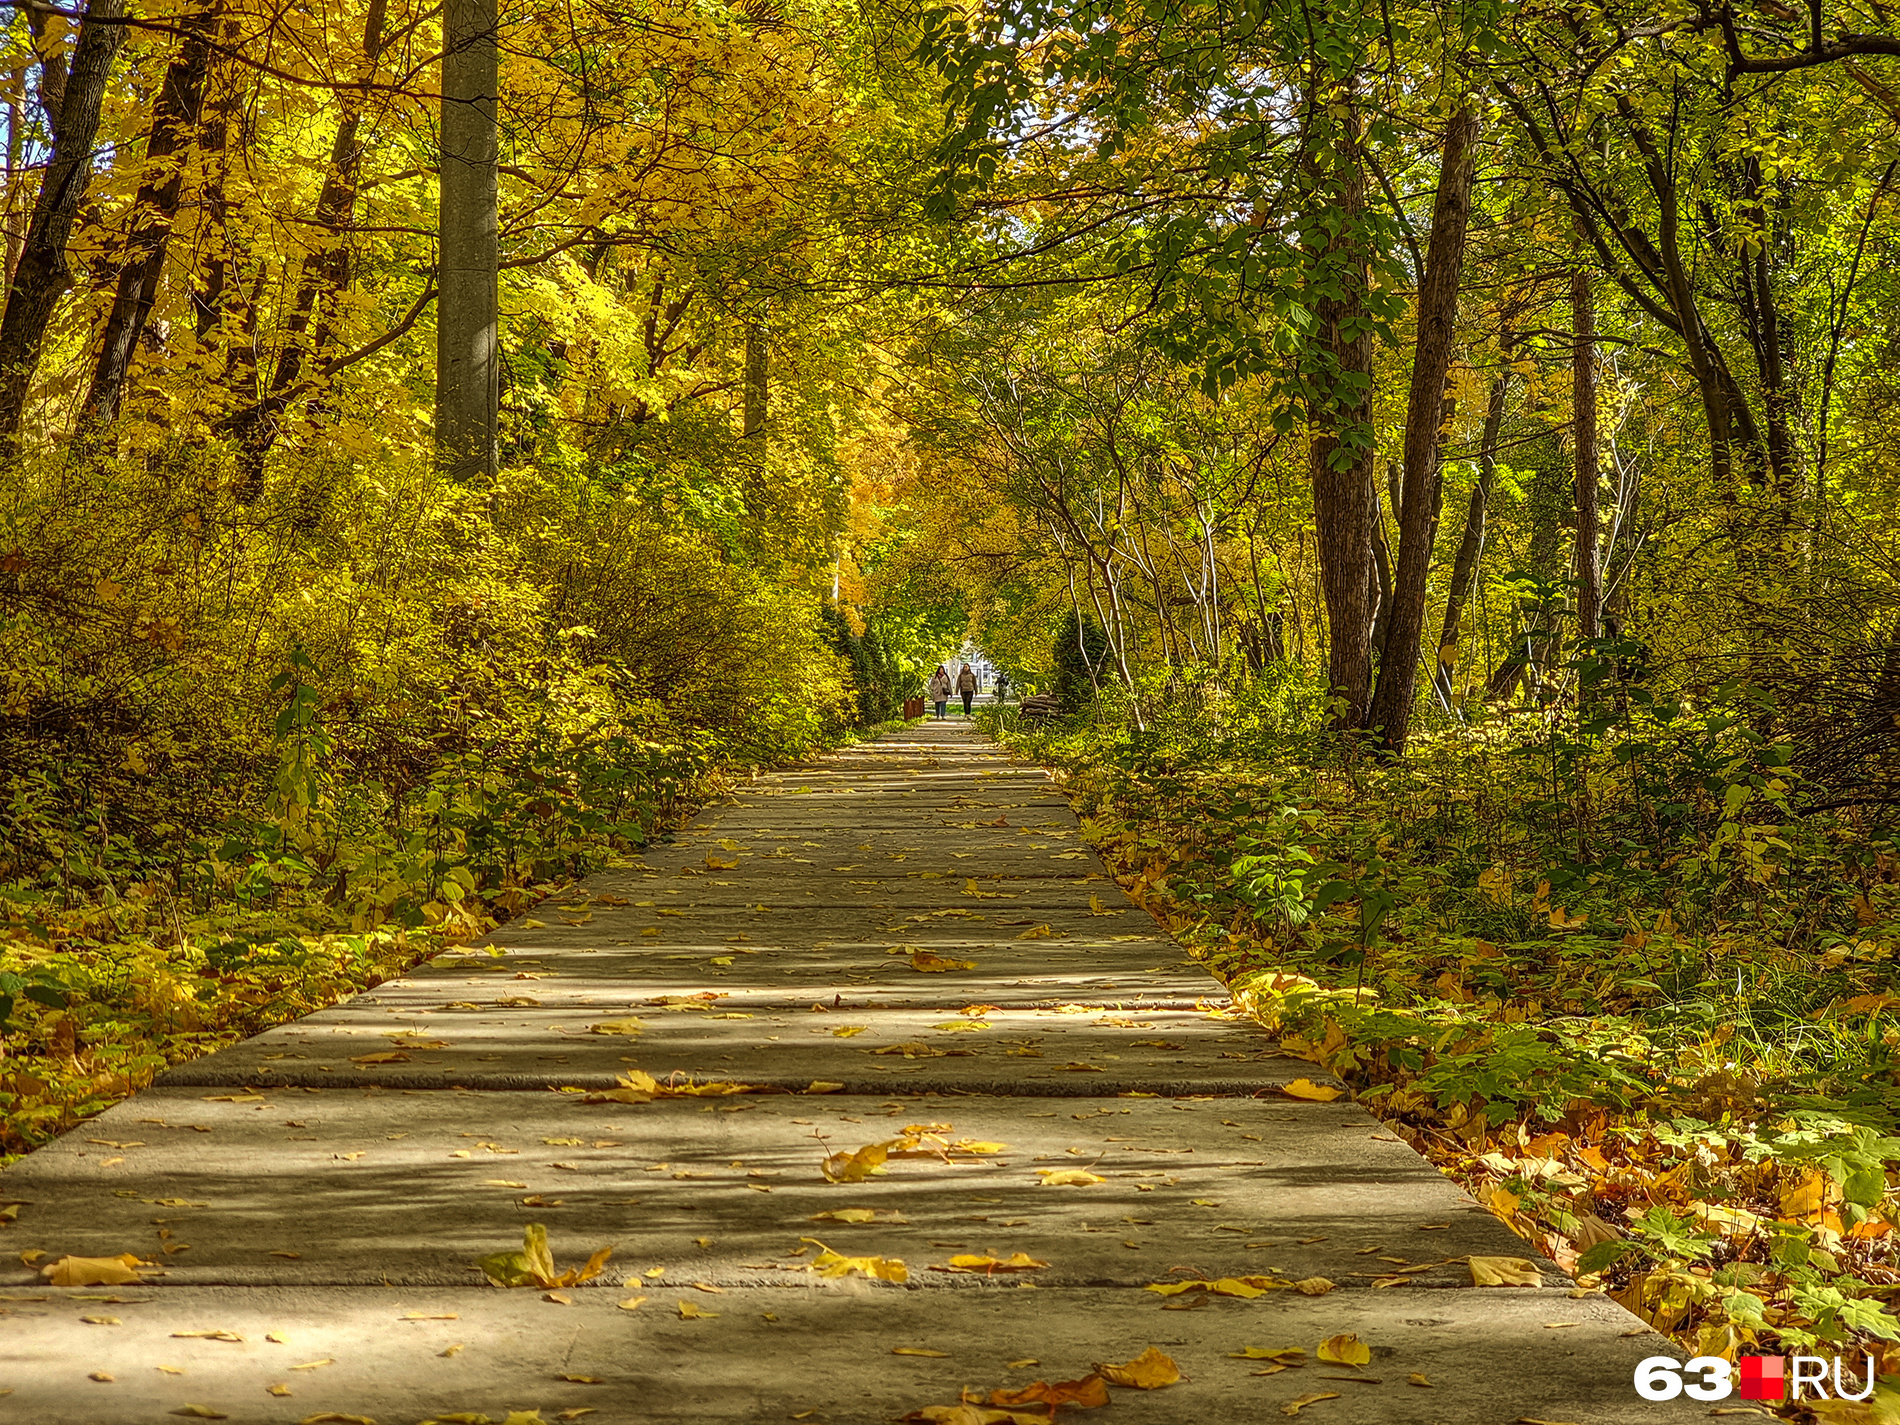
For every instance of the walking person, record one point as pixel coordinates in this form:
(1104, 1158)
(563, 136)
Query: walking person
(966, 686)
(940, 689)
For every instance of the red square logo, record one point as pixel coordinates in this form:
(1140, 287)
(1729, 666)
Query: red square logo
(1762, 1377)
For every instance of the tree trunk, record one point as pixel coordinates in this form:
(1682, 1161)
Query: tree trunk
(43, 271)
(1424, 421)
(173, 115)
(325, 272)
(467, 368)
(1583, 362)
(1464, 564)
(1341, 414)
(756, 376)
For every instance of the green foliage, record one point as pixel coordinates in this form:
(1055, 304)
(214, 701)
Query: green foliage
(1079, 654)
(1594, 965)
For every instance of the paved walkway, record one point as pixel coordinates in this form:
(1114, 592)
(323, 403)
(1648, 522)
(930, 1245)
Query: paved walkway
(907, 943)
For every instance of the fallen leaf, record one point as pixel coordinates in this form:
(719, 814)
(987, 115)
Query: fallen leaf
(102, 1321)
(629, 1025)
(583, 1380)
(1067, 1177)
(206, 1336)
(1313, 1286)
(857, 1166)
(1294, 1407)
(1307, 1089)
(1015, 1262)
(1040, 932)
(1149, 1371)
(858, 1216)
(93, 1271)
(533, 1264)
(1418, 1378)
(918, 1351)
(1344, 1350)
(102, 1376)
(200, 1412)
(315, 1365)
(336, 1417)
(833, 1264)
(927, 963)
(1085, 1394)
(384, 1056)
(1504, 1271)
(689, 1312)
(633, 1303)
(280, 1389)
(824, 1086)
(1284, 1354)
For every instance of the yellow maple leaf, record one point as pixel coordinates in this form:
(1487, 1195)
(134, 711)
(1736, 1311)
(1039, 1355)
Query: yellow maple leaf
(835, 1264)
(1067, 1177)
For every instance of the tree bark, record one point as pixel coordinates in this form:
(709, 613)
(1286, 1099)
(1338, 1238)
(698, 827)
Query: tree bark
(1464, 564)
(756, 376)
(44, 271)
(325, 272)
(467, 368)
(1340, 458)
(174, 114)
(1424, 422)
(1583, 397)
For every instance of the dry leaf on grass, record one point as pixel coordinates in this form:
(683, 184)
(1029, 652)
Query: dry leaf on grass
(1504, 1271)
(533, 1264)
(1151, 1370)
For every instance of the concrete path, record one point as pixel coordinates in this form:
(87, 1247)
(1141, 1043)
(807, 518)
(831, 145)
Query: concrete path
(314, 1200)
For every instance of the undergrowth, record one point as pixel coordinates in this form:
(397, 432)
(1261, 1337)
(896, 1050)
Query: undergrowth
(1603, 971)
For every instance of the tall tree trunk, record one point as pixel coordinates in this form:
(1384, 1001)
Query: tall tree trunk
(324, 272)
(1583, 387)
(1424, 422)
(467, 368)
(1464, 564)
(173, 115)
(756, 375)
(44, 271)
(1341, 416)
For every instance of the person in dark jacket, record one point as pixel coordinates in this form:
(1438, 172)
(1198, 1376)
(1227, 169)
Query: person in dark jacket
(966, 686)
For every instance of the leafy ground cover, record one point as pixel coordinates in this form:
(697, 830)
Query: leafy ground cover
(1610, 977)
(113, 967)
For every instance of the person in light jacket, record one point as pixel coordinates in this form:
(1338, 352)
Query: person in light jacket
(966, 686)
(940, 689)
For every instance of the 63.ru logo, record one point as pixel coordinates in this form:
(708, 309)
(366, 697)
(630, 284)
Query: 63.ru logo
(1759, 1377)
